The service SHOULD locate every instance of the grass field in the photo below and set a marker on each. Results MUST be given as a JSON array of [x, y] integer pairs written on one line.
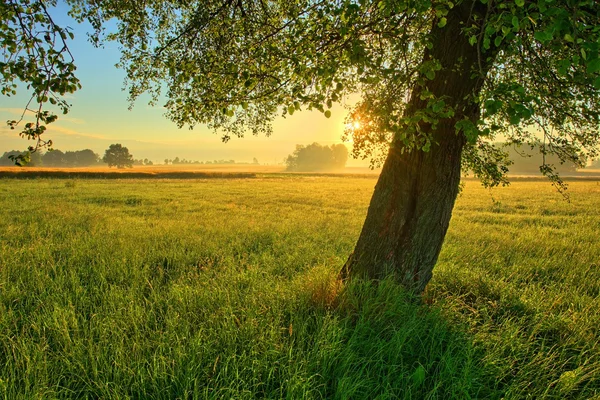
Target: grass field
[[226, 288]]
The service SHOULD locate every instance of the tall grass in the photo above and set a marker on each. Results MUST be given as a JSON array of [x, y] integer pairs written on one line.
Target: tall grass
[[227, 289]]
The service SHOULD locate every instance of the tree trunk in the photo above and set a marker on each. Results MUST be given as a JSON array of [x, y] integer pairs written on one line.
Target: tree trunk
[[413, 200]]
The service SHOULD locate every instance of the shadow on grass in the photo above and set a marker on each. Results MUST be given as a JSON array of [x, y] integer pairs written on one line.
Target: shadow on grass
[[380, 342], [170, 331]]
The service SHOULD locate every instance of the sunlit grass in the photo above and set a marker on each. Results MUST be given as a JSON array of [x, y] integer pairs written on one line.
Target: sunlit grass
[[227, 289]]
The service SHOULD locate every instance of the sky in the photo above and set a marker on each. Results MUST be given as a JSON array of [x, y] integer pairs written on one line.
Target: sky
[[100, 116]]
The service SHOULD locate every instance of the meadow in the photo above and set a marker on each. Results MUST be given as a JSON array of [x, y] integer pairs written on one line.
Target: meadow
[[227, 288]]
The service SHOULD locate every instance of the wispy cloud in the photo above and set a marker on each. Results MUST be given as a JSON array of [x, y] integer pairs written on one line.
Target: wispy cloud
[[19, 111], [54, 130], [12, 110], [58, 129]]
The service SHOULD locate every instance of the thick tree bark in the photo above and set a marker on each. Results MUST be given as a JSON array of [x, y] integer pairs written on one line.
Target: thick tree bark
[[413, 200]]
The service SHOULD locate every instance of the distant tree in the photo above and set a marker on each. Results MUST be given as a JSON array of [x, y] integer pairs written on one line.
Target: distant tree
[[316, 157], [166, 161], [117, 155], [176, 161], [254, 160], [54, 158], [340, 155], [80, 158], [15, 157], [86, 158], [6, 159], [35, 159]]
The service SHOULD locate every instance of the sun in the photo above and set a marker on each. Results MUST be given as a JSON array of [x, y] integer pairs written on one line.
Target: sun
[[354, 125]]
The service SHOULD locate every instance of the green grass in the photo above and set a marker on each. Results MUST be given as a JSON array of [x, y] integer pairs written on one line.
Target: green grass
[[215, 288]]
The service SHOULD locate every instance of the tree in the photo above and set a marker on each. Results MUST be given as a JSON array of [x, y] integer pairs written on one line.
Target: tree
[[54, 158], [117, 155], [80, 158], [439, 80], [32, 160], [316, 157]]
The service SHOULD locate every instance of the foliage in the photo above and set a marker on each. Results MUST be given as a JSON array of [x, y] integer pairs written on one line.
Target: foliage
[[316, 157], [145, 161], [236, 65], [10, 157], [539, 63], [235, 301], [53, 158], [35, 54], [118, 156]]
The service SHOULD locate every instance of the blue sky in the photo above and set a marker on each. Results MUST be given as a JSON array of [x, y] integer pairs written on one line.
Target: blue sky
[[99, 116]]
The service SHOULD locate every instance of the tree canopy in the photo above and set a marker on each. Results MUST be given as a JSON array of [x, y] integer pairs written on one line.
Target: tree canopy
[[316, 157], [54, 158], [118, 156], [235, 65]]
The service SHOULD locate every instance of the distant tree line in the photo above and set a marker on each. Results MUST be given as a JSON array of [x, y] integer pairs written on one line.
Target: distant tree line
[[178, 161], [316, 157], [145, 161], [55, 158]]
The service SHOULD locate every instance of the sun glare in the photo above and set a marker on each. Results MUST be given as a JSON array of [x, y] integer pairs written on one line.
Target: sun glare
[[354, 125]]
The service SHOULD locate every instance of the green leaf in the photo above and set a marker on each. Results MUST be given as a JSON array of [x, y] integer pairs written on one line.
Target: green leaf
[[443, 22], [327, 114], [291, 110], [520, 3], [469, 130], [543, 36], [418, 377], [593, 66], [438, 106]]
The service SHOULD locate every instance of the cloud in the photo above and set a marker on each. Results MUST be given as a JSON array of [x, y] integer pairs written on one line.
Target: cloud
[[53, 131], [58, 129], [19, 111], [72, 120], [12, 110]]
